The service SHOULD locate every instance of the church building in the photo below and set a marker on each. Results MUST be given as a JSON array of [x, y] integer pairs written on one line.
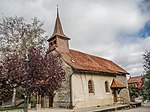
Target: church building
[[90, 80]]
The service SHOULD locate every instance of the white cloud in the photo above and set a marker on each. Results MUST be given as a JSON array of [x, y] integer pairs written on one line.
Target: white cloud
[[94, 26]]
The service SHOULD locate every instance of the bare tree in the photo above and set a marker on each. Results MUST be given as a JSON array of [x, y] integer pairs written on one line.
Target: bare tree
[[16, 35]]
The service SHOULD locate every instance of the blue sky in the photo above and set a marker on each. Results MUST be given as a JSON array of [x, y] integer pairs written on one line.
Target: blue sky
[[142, 33], [145, 9], [145, 32], [118, 30]]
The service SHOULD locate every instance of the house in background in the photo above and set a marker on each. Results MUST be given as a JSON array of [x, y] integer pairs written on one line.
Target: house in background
[[90, 80], [135, 85], [136, 81]]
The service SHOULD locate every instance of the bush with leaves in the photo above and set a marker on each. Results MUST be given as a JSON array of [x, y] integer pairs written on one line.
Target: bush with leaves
[[42, 75], [146, 93]]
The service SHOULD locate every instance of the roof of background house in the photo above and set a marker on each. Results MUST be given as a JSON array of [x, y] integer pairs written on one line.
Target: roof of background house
[[135, 79], [86, 62]]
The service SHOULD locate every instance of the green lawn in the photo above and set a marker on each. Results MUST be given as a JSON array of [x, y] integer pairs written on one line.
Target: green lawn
[[10, 108]]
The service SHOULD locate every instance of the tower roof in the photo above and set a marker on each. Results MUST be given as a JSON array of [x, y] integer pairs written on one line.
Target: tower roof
[[58, 30]]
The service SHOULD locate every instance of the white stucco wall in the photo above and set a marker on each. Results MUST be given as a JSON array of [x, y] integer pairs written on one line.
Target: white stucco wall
[[82, 97]]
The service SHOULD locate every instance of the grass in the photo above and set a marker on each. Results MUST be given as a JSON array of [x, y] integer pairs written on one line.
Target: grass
[[10, 108]]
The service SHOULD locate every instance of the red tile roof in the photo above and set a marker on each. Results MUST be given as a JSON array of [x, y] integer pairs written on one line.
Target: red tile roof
[[116, 84], [135, 79], [86, 62]]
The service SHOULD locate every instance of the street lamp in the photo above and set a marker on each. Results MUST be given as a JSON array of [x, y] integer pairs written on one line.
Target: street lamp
[[26, 67], [25, 104]]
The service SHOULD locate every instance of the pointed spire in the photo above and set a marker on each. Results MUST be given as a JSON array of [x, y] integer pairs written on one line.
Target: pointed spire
[[58, 27], [58, 30], [57, 11]]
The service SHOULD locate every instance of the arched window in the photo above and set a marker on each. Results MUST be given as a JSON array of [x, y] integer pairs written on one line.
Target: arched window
[[91, 86], [107, 86]]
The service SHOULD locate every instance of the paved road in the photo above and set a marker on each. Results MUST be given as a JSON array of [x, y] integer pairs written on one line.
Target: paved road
[[143, 108]]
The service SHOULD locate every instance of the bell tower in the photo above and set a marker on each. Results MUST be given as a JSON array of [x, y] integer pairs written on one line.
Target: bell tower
[[58, 40]]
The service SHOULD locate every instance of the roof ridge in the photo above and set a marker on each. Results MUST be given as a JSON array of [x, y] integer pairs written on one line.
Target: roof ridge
[[99, 57], [137, 76], [84, 61]]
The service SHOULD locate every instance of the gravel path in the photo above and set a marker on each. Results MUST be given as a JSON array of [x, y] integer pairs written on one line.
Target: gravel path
[[144, 108]]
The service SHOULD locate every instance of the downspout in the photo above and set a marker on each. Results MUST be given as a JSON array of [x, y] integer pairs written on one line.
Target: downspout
[[71, 102]]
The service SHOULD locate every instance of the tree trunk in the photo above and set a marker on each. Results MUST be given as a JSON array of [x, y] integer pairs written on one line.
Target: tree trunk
[[14, 96], [38, 102], [44, 102], [50, 101], [29, 102]]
